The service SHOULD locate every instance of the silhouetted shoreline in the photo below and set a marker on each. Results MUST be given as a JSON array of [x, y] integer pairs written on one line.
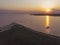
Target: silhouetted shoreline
[[46, 14]]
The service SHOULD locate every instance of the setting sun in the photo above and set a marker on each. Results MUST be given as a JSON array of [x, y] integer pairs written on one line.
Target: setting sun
[[48, 10], [48, 6]]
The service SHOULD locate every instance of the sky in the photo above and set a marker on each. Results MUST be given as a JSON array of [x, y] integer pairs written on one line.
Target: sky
[[28, 4]]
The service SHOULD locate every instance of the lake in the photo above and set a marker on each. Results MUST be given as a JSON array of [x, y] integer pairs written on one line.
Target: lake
[[46, 24]]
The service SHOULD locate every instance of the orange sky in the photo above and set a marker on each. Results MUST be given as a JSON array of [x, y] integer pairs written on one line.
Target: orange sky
[[29, 4]]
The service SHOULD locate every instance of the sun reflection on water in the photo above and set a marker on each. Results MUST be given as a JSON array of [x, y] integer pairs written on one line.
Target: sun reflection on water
[[47, 21], [47, 25]]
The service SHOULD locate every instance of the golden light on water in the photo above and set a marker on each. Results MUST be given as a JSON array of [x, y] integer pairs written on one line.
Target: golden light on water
[[47, 21], [47, 25]]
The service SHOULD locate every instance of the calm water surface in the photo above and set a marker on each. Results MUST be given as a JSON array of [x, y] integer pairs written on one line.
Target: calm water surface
[[38, 23]]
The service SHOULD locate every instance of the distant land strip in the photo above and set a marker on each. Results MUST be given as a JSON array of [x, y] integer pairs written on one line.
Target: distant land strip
[[46, 14]]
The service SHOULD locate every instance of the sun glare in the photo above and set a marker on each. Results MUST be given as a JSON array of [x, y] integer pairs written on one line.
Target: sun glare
[[48, 10], [48, 6]]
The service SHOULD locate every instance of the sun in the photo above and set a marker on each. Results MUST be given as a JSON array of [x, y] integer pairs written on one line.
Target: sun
[[48, 10], [47, 6]]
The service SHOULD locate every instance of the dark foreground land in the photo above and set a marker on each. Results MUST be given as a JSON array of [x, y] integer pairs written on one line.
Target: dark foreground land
[[16, 34]]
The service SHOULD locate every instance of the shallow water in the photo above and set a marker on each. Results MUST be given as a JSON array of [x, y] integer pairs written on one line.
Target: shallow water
[[37, 23]]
